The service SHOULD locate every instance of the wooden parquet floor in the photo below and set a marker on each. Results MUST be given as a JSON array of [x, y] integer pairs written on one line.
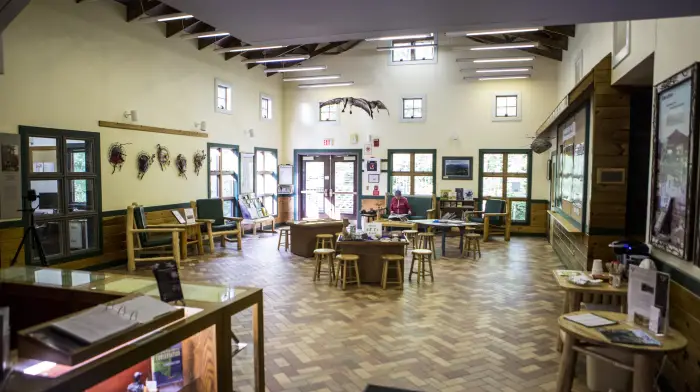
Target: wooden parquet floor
[[485, 325]]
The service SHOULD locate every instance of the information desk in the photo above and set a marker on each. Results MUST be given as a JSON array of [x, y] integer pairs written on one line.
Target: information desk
[[370, 252], [38, 295], [303, 233]]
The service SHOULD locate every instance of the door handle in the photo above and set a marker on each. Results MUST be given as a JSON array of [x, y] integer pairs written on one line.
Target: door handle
[[331, 193]]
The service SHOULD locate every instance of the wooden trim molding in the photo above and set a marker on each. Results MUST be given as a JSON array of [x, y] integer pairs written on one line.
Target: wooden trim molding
[[145, 128]]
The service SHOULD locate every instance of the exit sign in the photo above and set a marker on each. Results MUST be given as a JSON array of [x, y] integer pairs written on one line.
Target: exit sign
[[327, 142]]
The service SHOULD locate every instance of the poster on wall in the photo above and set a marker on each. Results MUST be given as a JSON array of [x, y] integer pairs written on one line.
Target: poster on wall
[[673, 174], [10, 176]]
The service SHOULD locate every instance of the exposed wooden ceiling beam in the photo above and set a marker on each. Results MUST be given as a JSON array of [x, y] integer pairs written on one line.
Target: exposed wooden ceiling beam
[[137, 8], [176, 26], [568, 30], [552, 53], [274, 53], [557, 42], [315, 53]]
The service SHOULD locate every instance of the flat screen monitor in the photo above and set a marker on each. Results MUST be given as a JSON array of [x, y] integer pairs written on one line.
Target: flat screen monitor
[[48, 201]]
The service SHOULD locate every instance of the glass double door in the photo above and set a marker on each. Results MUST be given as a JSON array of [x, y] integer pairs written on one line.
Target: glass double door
[[328, 186]]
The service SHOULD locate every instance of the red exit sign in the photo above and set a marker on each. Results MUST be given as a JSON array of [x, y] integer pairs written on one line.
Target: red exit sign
[[327, 142]]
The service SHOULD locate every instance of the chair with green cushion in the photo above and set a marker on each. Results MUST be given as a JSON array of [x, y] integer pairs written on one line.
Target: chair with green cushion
[[139, 238], [210, 212], [495, 217], [422, 207]]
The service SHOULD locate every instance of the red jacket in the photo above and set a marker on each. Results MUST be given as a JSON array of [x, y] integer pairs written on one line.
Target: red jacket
[[399, 206]]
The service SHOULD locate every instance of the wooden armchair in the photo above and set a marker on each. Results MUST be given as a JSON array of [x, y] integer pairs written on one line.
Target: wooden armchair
[[210, 212], [495, 217], [138, 238]]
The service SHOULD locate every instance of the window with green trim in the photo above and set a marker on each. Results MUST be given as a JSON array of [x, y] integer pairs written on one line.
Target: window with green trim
[[506, 175], [266, 178], [412, 172], [223, 176]]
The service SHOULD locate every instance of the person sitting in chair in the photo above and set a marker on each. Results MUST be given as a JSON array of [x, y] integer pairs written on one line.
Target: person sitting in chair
[[399, 204]]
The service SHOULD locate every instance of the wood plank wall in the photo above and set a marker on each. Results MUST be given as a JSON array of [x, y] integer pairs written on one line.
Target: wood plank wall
[[683, 371]]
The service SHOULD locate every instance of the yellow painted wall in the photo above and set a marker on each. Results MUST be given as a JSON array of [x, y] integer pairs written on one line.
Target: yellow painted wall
[[70, 65]]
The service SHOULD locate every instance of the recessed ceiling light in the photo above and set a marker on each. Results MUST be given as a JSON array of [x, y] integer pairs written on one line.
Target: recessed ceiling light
[[399, 37], [317, 77], [277, 59], [296, 69], [248, 48], [386, 48], [496, 70], [497, 60], [322, 85]]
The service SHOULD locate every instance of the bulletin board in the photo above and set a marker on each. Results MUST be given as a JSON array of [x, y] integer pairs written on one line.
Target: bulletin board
[[10, 176], [572, 159]]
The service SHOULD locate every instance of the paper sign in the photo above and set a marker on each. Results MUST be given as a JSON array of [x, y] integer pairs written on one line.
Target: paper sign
[[189, 216], [178, 216], [327, 142], [374, 229]]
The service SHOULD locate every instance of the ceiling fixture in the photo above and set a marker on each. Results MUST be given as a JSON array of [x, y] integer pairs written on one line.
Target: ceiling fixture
[[514, 69], [317, 77], [497, 60], [321, 85], [385, 48], [166, 18], [515, 45], [484, 78], [296, 69], [248, 48], [492, 32], [300, 57], [399, 37], [210, 34]]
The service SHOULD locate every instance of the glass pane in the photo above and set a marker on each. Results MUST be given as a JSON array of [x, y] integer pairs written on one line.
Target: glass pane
[[408, 113], [517, 187], [228, 186], [424, 163], [401, 54], [512, 112], [493, 163], [417, 103], [221, 103], [517, 163], [79, 156], [51, 236], [493, 186], [42, 154], [401, 162], [424, 53], [417, 113], [519, 211], [270, 184], [214, 155], [401, 183], [259, 184], [230, 161], [344, 177], [270, 161], [512, 101], [423, 185], [501, 101], [82, 195], [48, 201], [501, 112], [407, 104], [221, 92], [228, 208], [82, 234], [214, 186]]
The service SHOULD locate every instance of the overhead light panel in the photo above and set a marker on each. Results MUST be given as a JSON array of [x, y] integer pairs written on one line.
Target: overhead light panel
[[498, 60], [498, 70], [486, 78], [492, 32], [304, 78], [297, 69], [277, 59], [323, 85], [166, 18], [516, 45], [248, 48], [400, 37], [386, 48], [210, 34]]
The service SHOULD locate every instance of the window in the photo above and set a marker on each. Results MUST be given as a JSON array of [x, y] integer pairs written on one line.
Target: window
[[329, 113], [412, 172], [506, 175], [506, 107], [265, 107], [223, 97], [223, 175], [266, 178], [413, 54], [413, 108], [64, 170]]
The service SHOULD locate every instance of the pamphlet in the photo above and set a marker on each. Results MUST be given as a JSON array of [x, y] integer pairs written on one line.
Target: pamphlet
[[189, 216], [625, 336], [590, 320], [648, 289], [179, 217], [167, 366]]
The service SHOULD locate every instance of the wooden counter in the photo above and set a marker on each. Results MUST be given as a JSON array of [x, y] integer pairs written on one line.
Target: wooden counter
[[303, 241], [370, 252]]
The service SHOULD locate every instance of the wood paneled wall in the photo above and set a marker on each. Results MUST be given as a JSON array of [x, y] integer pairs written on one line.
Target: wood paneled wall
[[683, 373]]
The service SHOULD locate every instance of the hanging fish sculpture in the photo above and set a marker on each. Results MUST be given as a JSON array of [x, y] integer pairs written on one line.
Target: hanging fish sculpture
[[199, 157], [181, 165], [117, 155], [163, 156], [143, 163], [368, 106]]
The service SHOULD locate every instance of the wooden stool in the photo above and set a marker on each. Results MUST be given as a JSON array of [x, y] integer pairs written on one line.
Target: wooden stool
[[411, 237], [471, 244], [344, 261], [422, 256], [427, 241], [324, 241], [284, 234], [322, 255], [398, 261], [337, 238]]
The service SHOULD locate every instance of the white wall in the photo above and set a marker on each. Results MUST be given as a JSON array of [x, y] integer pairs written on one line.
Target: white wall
[[69, 66], [595, 41], [642, 44], [676, 46], [454, 108]]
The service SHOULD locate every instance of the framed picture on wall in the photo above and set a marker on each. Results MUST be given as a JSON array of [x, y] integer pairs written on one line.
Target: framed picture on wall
[[621, 41], [674, 126], [457, 168]]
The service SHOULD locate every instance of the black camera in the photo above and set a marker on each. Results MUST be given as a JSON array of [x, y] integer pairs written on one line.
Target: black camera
[[31, 195]]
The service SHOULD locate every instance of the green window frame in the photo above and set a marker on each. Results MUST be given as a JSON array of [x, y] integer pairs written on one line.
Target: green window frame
[[495, 169], [223, 174], [264, 170], [409, 168]]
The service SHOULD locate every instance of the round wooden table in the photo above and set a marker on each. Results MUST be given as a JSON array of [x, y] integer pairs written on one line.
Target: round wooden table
[[576, 336]]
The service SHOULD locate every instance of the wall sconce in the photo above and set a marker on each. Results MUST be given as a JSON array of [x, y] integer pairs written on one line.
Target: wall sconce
[[133, 114], [249, 132], [202, 126], [354, 138]]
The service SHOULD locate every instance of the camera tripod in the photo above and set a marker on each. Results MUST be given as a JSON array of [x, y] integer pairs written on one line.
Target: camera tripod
[[31, 235]]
